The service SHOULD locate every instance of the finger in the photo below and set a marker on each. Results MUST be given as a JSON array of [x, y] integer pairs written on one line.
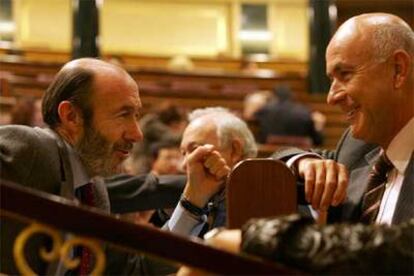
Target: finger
[[214, 162], [219, 169], [223, 172], [322, 217], [330, 185], [211, 159], [199, 153], [309, 176], [320, 178], [343, 180]]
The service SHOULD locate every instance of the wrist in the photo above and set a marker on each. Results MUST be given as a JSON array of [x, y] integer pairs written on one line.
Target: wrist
[[195, 198], [193, 209]]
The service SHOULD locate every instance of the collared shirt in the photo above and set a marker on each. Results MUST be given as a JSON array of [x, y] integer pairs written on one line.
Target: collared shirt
[[185, 224], [399, 152]]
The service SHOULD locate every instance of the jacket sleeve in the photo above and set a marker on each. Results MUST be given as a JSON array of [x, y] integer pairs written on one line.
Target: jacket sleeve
[[340, 248], [144, 192]]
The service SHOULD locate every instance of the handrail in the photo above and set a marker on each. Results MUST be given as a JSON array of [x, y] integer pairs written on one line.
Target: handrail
[[36, 205]]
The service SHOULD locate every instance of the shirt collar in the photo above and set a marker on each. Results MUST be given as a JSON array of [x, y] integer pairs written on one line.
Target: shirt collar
[[401, 147], [80, 176]]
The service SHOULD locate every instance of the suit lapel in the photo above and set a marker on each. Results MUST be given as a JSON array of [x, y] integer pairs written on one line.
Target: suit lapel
[[67, 189], [100, 194], [405, 204]]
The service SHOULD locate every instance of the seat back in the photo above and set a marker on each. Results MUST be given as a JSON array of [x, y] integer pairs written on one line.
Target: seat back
[[259, 188]]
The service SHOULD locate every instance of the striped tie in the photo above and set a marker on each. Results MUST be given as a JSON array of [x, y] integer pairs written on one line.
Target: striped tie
[[371, 200]]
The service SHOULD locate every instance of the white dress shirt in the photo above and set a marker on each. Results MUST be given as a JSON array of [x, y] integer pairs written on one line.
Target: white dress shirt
[[399, 152]]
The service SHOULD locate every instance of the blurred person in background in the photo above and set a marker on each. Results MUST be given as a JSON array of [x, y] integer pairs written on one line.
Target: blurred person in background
[[284, 117], [165, 124], [27, 111]]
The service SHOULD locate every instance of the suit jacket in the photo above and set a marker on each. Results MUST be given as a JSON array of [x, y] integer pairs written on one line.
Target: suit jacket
[[38, 158], [286, 118], [359, 157]]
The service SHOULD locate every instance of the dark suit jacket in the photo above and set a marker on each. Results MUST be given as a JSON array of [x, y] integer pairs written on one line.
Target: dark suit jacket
[[286, 118], [37, 158], [359, 157]]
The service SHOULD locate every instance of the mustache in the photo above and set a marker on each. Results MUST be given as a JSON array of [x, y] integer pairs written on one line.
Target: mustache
[[123, 146]]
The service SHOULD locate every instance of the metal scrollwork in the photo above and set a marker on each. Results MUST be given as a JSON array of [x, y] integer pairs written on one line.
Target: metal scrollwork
[[59, 249], [93, 245]]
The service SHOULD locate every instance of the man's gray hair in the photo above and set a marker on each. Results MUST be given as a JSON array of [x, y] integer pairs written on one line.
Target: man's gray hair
[[229, 127]]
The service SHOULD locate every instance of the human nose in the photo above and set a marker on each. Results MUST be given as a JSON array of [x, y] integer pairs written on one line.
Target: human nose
[[335, 94], [134, 133]]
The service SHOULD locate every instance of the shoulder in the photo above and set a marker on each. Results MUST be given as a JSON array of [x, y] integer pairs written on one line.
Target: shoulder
[[27, 153], [20, 137], [351, 150]]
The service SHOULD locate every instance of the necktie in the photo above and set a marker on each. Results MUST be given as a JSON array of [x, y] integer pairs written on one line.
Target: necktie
[[377, 179], [86, 195]]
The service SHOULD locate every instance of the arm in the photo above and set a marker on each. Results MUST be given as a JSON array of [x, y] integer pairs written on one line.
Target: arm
[[205, 172], [144, 192]]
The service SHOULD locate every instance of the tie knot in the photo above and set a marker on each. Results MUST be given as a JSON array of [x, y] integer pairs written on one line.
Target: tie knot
[[381, 168], [384, 163]]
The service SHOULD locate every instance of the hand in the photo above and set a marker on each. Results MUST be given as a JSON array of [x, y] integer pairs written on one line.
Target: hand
[[326, 182], [319, 120], [206, 172], [228, 240]]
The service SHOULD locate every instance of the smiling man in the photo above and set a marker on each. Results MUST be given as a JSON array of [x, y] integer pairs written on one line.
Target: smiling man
[[91, 109], [370, 63]]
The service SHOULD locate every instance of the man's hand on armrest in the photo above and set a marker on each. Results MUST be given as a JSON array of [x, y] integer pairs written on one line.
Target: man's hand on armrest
[[326, 181]]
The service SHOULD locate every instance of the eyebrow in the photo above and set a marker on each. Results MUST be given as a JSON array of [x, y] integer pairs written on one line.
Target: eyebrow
[[130, 108], [338, 66]]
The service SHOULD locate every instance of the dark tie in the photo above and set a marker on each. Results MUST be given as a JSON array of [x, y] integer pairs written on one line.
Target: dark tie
[[377, 179], [86, 196]]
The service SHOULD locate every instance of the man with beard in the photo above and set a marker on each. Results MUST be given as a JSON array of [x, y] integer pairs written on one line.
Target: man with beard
[[92, 111]]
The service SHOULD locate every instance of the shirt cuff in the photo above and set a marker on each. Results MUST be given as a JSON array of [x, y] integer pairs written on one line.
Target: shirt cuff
[[184, 223], [291, 162]]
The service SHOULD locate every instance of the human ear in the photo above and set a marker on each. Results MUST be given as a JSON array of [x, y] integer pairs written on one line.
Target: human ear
[[402, 63], [236, 151], [70, 117]]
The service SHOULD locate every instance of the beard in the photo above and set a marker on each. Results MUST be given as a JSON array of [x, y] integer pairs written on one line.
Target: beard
[[96, 153]]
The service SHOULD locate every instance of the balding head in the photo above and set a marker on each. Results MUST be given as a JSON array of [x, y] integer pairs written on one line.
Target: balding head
[[74, 83], [370, 63], [380, 33]]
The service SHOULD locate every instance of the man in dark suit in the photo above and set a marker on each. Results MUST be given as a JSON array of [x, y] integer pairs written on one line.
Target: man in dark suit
[[370, 63], [284, 117], [92, 110]]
